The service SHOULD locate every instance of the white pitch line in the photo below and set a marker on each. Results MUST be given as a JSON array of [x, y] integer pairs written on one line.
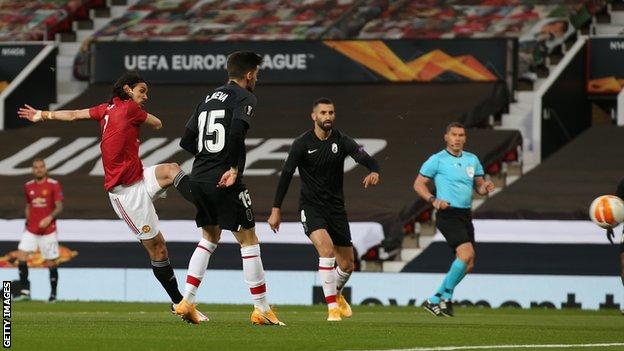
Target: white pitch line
[[490, 347]]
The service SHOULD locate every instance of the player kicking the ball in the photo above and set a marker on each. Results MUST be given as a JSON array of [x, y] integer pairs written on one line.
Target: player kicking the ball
[[319, 154], [131, 188], [215, 134]]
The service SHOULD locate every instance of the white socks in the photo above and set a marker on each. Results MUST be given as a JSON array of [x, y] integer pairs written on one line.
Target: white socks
[[197, 267], [327, 274], [341, 279], [254, 276]]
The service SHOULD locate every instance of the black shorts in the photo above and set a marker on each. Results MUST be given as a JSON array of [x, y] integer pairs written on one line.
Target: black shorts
[[229, 208], [456, 226], [333, 220]]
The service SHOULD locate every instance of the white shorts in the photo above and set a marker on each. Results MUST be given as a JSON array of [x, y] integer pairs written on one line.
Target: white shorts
[[133, 204], [47, 244]]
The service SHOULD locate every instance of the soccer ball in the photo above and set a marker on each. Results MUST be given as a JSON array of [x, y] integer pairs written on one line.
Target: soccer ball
[[607, 211]]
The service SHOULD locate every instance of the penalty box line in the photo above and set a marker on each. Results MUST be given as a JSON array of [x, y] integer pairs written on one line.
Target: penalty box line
[[496, 347]]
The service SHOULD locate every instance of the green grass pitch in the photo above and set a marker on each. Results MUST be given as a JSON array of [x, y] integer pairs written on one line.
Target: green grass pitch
[[150, 326]]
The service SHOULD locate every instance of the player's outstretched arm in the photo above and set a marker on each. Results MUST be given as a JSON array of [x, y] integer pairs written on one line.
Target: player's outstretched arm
[[33, 115]]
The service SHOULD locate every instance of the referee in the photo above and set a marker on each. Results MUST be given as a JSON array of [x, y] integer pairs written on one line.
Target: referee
[[455, 174]]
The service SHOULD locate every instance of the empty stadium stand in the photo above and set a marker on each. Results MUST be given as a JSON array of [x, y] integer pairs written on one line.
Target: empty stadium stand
[[563, 186]]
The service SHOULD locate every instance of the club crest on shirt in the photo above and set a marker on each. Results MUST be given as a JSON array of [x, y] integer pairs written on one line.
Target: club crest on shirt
[[470, 171], [146, 229], [44, 192], [248, 110], [334, 147]]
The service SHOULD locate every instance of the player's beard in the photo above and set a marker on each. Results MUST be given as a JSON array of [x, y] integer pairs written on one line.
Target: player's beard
[[324, 127]]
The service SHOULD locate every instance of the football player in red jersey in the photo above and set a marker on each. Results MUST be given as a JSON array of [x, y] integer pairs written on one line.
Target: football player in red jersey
[[131, 188], [44, 202]]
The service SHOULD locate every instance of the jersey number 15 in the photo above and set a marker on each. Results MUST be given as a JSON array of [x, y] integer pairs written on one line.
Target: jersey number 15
[[212, 128]]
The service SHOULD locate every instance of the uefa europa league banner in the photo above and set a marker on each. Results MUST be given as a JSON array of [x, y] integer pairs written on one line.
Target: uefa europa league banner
[[605, 65], [301, 62]]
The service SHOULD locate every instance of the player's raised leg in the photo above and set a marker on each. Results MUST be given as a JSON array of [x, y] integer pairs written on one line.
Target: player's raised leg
[[346, 264], [168, 174], [198, 264], [327, 273], [254, 277]]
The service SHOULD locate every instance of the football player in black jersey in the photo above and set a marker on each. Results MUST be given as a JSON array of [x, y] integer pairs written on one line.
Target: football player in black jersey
[[215, 134], [319, 154]]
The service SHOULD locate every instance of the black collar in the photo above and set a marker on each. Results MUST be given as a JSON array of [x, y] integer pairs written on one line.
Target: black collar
[[448, 152]]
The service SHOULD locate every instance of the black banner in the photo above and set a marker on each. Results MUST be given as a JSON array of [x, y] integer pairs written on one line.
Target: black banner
[[361, 61], [566, 110], [15, 57], [38, 87], [605, 65]]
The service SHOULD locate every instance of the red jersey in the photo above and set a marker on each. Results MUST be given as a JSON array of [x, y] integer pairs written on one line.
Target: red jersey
[[41, 198], [120, 122]]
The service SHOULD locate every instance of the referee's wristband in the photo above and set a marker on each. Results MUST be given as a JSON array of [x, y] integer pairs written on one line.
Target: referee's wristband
[[431, 199]]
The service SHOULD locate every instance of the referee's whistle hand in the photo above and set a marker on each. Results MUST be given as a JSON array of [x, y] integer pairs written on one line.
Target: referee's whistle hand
[[371, 179]]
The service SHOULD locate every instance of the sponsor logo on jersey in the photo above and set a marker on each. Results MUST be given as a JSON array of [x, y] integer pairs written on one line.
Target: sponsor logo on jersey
[[312, 151]]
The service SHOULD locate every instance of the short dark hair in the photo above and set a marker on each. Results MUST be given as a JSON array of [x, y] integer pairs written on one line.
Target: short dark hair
[[38, 159], [130, 78], [241, 62], [321, 100], [454, 125]]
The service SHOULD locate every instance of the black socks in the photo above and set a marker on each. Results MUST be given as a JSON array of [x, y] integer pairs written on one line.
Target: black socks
[[164, 274]]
